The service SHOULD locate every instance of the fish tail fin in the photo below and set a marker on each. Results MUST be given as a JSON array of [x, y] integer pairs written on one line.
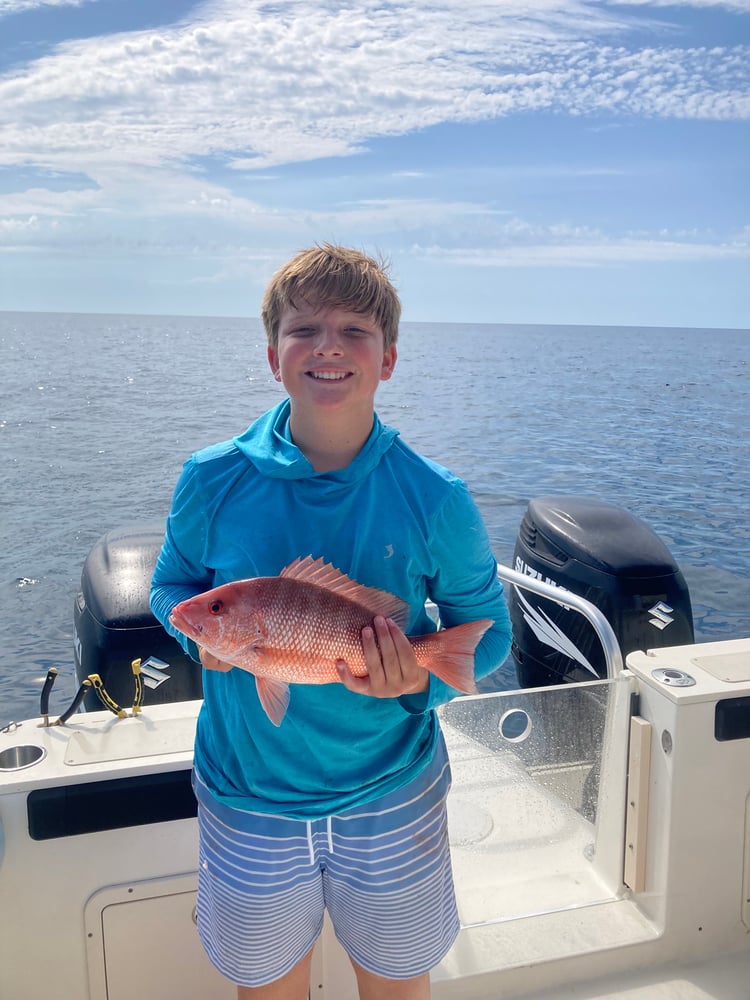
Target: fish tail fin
[[451, 653]]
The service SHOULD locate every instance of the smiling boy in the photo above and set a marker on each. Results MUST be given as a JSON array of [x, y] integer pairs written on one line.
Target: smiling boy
[[343, 806], [331, 361]]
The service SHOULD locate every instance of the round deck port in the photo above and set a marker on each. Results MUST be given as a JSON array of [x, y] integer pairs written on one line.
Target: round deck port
[[16, 758], [673, 677]]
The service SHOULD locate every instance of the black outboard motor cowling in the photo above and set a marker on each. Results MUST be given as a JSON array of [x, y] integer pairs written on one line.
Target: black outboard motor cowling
[[115, 625], [614, 560]]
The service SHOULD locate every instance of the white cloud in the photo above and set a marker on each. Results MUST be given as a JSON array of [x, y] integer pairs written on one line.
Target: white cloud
[[249, 86], [45, 202], [17, 226], [21, 6], [594, 251], [262, 86], [195, 218], [736, 6]]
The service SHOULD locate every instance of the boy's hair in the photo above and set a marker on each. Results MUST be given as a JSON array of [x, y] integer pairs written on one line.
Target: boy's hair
[[330, 275]]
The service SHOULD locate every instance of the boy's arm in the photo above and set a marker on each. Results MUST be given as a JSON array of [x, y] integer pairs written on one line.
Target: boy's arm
[[465, 587], [180, 572]]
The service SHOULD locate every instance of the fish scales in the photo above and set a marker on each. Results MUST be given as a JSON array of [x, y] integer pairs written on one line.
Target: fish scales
[[301, 636]]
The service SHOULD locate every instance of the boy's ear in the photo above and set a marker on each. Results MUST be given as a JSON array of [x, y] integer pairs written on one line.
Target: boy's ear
[[390, 357], [273, 362]]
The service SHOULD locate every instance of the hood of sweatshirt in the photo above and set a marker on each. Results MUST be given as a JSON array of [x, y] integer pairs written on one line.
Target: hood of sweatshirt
[[267, 443]]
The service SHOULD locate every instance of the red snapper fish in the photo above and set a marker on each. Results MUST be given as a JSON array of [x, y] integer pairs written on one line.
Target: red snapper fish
[[292, 628]]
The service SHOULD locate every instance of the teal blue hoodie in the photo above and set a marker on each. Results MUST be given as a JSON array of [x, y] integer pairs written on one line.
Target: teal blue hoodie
[[392, 520]]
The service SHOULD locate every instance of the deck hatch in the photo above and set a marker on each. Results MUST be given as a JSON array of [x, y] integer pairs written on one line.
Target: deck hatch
[[91, 807]]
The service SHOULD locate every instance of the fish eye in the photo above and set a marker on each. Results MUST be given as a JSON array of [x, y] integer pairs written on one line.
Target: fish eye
[[216, 607]]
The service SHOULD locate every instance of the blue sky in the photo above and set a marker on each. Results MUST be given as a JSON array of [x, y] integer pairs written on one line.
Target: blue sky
[[518, 161]]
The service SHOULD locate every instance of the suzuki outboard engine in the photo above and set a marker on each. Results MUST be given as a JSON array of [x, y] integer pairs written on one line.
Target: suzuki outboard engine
[[115, 625], [615, 561]]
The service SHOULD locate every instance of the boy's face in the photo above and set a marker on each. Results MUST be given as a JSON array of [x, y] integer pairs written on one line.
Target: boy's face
[[329, 356]]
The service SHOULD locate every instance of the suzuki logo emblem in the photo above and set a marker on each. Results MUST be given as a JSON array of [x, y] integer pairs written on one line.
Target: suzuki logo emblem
[[662, 615]]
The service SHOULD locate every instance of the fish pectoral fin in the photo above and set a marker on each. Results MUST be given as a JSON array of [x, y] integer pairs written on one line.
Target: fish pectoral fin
[[274, 697]]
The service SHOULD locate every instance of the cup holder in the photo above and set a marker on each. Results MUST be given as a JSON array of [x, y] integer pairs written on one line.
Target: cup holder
[[16, 758]]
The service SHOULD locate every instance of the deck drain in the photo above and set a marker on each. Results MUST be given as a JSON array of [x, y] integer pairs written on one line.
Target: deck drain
[[468, 823]]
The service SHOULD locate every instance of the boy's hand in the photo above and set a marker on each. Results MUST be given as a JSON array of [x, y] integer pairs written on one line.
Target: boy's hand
[[211, 662], [392, 668]]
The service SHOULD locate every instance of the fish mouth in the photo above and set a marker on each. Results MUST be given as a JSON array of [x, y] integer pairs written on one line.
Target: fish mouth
[[181, 623]]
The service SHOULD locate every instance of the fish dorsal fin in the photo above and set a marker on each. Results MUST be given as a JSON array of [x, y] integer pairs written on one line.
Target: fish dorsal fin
[[323, 574]]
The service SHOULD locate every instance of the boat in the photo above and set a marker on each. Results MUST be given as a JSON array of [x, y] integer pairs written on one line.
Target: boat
[[600, 824]]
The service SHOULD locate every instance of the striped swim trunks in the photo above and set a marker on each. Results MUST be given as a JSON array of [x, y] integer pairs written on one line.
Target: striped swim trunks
[[382, 870]]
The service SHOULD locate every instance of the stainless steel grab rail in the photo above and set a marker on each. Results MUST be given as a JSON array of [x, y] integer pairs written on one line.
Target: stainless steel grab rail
[[560, 595]]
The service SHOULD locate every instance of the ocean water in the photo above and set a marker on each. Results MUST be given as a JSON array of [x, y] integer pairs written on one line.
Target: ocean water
[[99, 412]]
